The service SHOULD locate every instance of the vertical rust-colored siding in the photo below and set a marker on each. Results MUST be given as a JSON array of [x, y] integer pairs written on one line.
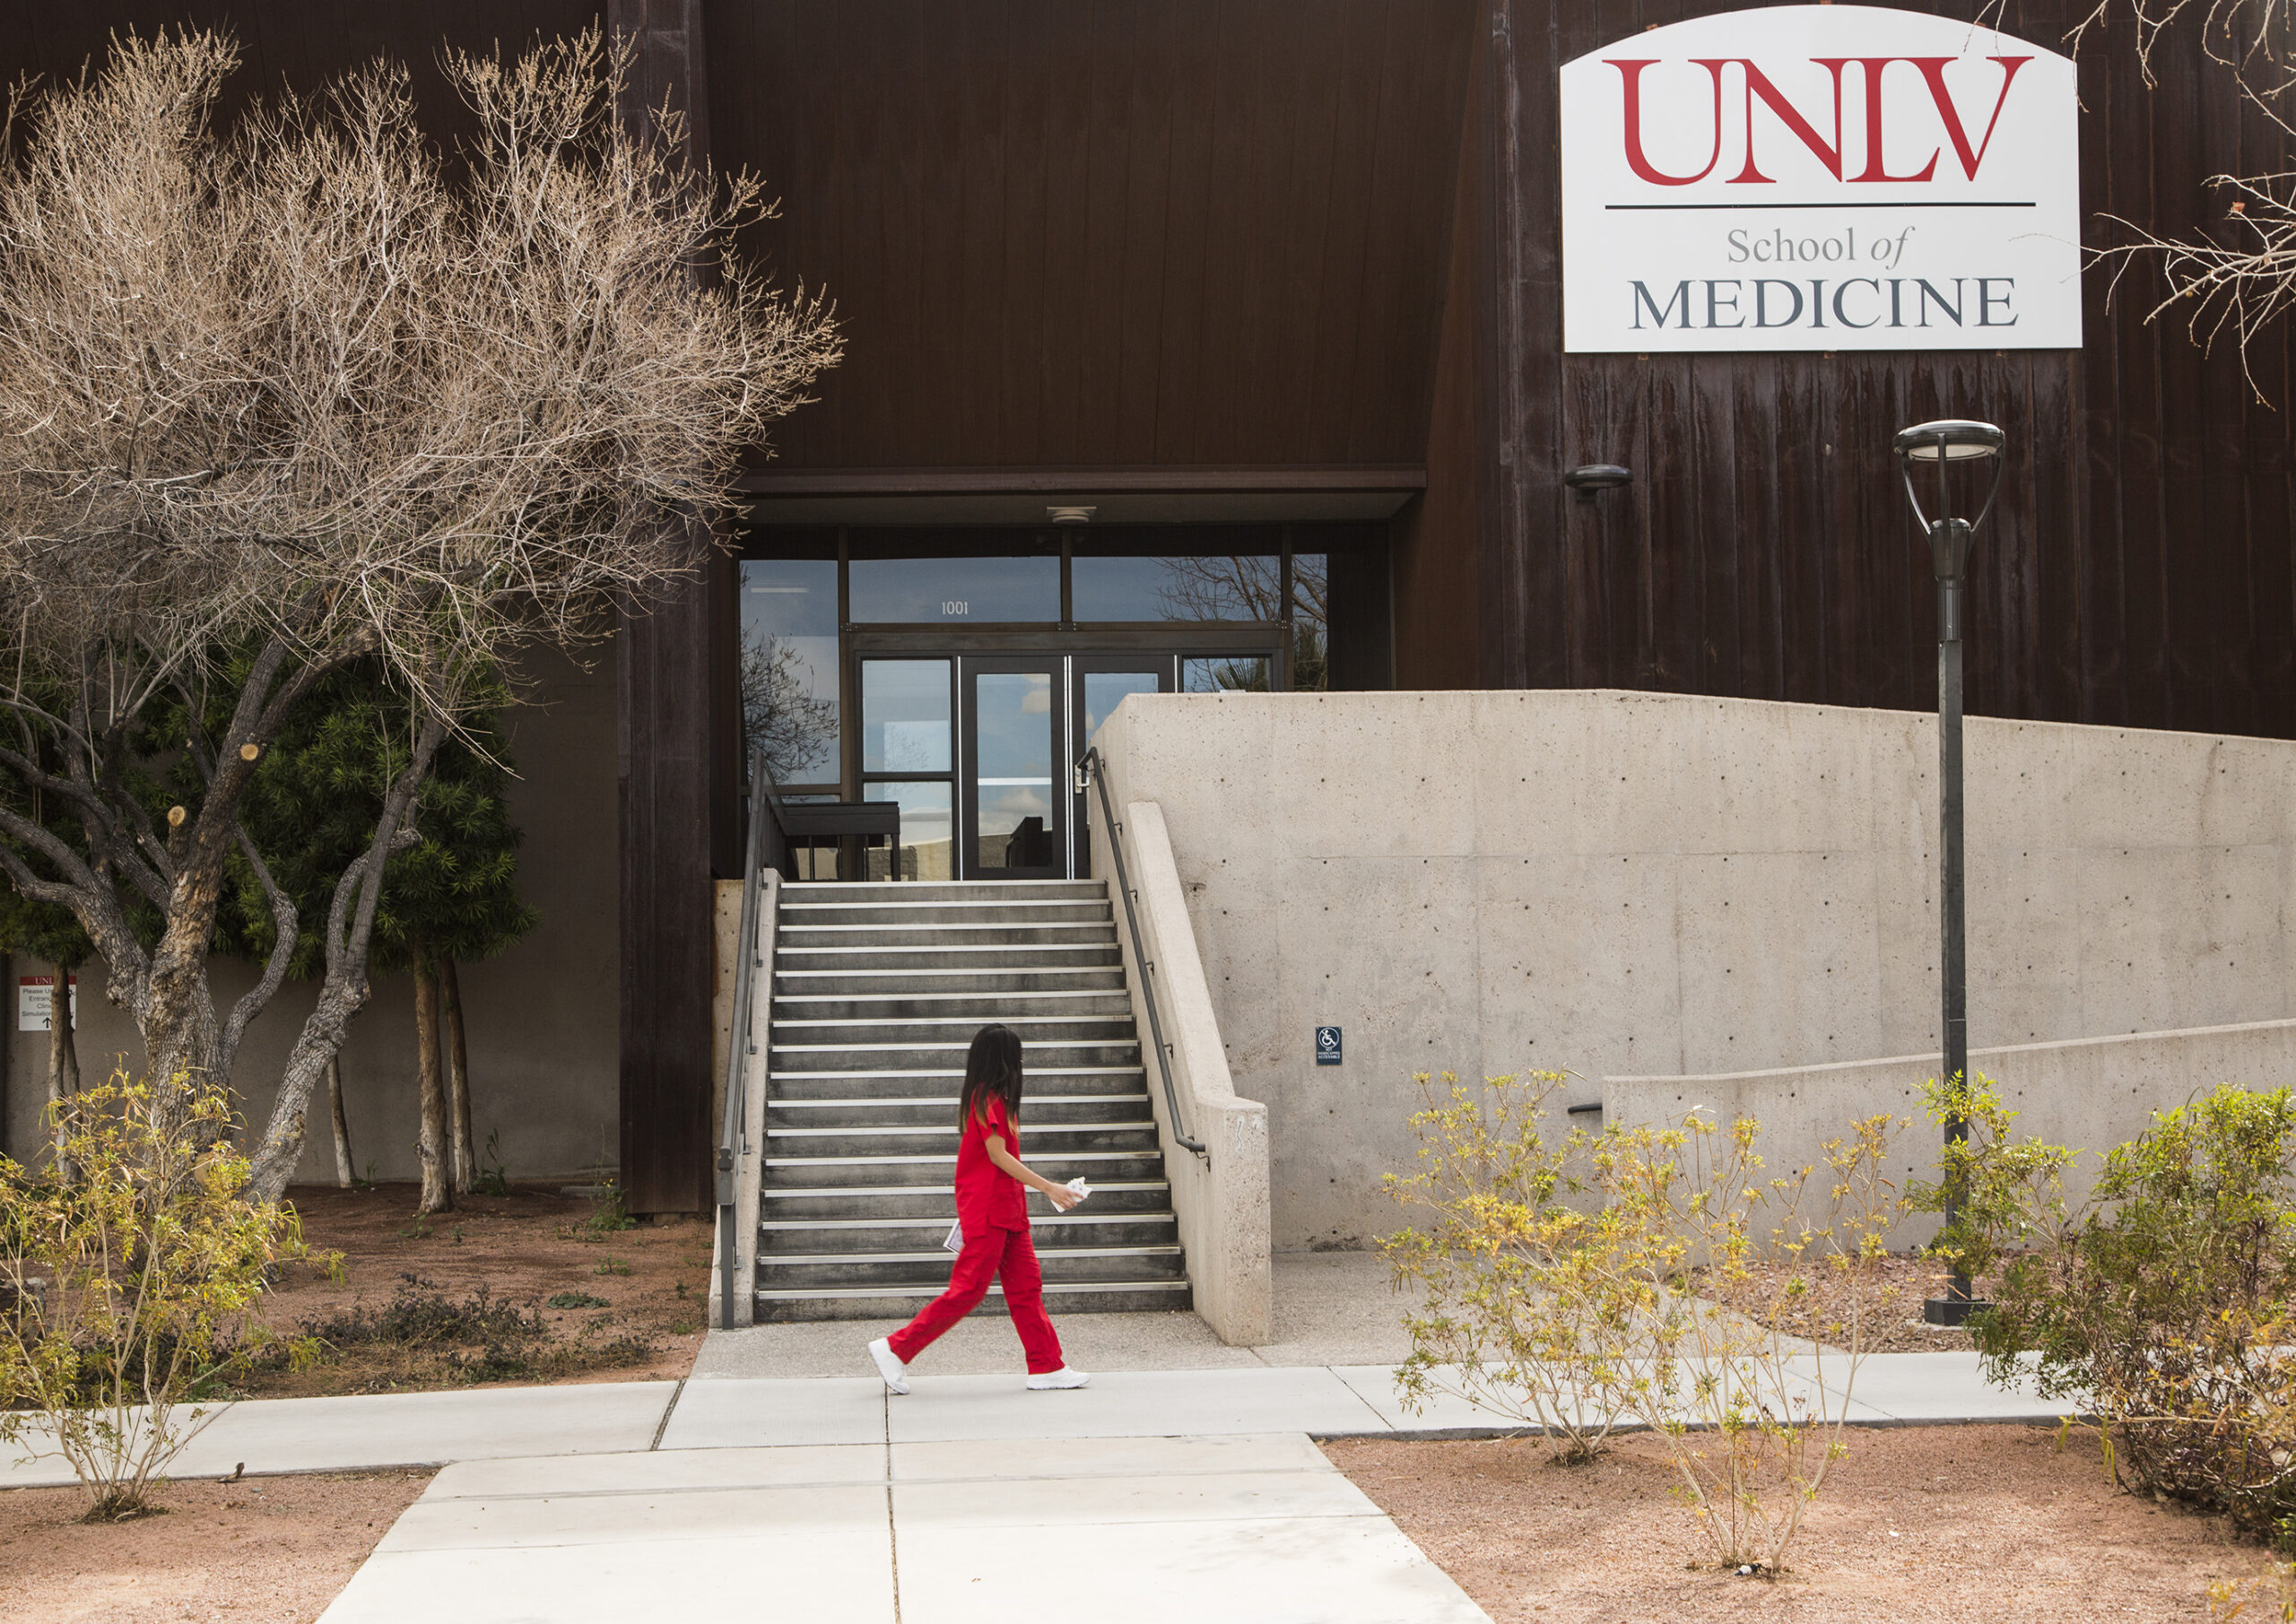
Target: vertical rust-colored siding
[[2138, 569]]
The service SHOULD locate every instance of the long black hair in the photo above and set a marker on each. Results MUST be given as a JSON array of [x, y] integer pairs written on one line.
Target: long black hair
[[991, 1067]]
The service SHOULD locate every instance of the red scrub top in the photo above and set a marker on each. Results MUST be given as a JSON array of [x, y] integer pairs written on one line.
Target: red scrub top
[[988, 1197]]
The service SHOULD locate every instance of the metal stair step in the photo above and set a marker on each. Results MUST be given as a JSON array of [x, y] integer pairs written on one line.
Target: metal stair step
[[923, 1111], [958, 961], [886, 981], [840, 1235], [972, 933], [1043, 1141], [973, 1009], [901, 1303], [922, 1085], [969, 895], [956, 1030], [927, 1169], [936, 1202], [893, 1060], [928, 1270]]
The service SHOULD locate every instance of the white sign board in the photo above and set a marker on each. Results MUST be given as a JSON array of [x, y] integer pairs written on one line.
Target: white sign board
[[1821, 177], [36, 1002]]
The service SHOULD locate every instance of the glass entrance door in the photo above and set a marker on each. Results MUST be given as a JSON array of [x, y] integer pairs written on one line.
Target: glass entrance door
[[1098, 684], [1016, 825]]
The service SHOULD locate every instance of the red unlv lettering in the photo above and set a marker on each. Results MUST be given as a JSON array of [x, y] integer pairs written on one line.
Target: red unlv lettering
[[1759, 85]]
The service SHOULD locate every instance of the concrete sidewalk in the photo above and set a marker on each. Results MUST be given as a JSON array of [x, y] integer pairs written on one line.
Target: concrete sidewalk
[[625, 1418], [1139, 1531]]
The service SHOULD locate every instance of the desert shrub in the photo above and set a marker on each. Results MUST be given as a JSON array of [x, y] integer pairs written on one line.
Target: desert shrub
[[424, 1334], [1513, 1317], [2162, 1303], [1576, 1280], [132, 1286]]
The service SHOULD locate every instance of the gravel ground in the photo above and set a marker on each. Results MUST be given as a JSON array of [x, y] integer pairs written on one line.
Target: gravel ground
[[1893, 1324], [1916, 1524], [265, 1551]]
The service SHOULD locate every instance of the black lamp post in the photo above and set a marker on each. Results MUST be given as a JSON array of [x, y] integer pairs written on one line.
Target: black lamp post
[[1942, 445]]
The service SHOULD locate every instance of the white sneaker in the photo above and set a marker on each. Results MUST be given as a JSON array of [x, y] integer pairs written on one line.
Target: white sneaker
[[1053, 1380], [889, 1365]]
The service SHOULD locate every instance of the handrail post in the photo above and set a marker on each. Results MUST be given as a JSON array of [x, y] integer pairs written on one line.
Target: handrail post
[[1094, 769]]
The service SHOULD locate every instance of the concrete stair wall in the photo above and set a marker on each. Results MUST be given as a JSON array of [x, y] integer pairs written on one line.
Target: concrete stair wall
[[877, 992]]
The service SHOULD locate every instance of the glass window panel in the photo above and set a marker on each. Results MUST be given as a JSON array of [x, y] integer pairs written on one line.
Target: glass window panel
[[1247, 586], [1104, 690], [1310, 623], [1225, 674], [788, 666], [927, 842], [955, 591], [1012, 723], [905, 716]]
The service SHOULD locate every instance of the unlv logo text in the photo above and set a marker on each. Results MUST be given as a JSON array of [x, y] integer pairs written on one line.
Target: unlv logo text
[[1757, 87]]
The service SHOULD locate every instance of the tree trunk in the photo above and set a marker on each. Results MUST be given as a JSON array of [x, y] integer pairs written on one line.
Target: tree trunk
[[431, 1145], [457, 1077], [343, 1173], [63, 1054], [351, 923]]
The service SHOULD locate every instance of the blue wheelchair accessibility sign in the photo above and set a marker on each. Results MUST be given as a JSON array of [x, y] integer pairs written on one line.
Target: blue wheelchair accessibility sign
[[1327, 1045]]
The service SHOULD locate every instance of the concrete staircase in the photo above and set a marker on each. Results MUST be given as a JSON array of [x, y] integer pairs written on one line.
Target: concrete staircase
[[877, 992]]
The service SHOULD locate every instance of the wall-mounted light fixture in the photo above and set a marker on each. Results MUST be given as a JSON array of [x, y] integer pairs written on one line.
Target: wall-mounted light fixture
[[1597, 476]]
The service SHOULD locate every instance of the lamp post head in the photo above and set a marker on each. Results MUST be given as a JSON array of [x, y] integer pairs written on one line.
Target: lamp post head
[[1597, 476], [1952, 439], [1940, 445]]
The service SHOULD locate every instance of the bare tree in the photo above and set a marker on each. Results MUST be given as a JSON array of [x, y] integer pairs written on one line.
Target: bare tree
[[780, 713], [288, 397], [2239, 276]]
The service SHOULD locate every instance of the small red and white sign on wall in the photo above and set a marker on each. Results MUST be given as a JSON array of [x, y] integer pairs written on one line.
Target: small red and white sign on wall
[[1821, 177], [36, 1002]]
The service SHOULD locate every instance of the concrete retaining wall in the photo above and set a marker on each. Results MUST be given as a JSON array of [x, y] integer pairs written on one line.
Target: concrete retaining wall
[[2090, 1093], [1636, 885]]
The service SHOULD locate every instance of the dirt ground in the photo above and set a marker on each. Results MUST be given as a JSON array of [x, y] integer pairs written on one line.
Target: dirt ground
[[651, 1283], [1894, 1325], [1916, 1524], [267, 1550]]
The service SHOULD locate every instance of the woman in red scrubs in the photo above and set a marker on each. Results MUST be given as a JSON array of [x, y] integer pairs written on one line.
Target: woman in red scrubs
[[993, 1211]]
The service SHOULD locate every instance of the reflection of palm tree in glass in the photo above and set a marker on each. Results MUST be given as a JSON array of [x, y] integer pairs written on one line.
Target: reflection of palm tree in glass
[[781, 714], [1249, 586]]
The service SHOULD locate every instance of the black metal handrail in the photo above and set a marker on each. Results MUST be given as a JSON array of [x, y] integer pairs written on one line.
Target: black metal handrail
[[1095, 772], [733, 1137]]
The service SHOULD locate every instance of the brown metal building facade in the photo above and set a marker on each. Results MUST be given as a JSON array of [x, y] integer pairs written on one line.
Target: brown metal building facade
[[1268, 255]]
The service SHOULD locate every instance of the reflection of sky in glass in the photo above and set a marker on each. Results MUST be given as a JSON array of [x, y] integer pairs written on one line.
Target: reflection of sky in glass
[[905, 716], [793, 602], [1175, 589], [954, 591], [1012, 735], [1104, 690]]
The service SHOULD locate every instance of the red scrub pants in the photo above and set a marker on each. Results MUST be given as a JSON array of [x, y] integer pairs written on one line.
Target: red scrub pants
[[989, 1255]]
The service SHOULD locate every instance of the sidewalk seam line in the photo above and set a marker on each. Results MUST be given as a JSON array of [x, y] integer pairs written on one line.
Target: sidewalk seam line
[[893, 1530], [1385, 1425], [668, 1410]]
